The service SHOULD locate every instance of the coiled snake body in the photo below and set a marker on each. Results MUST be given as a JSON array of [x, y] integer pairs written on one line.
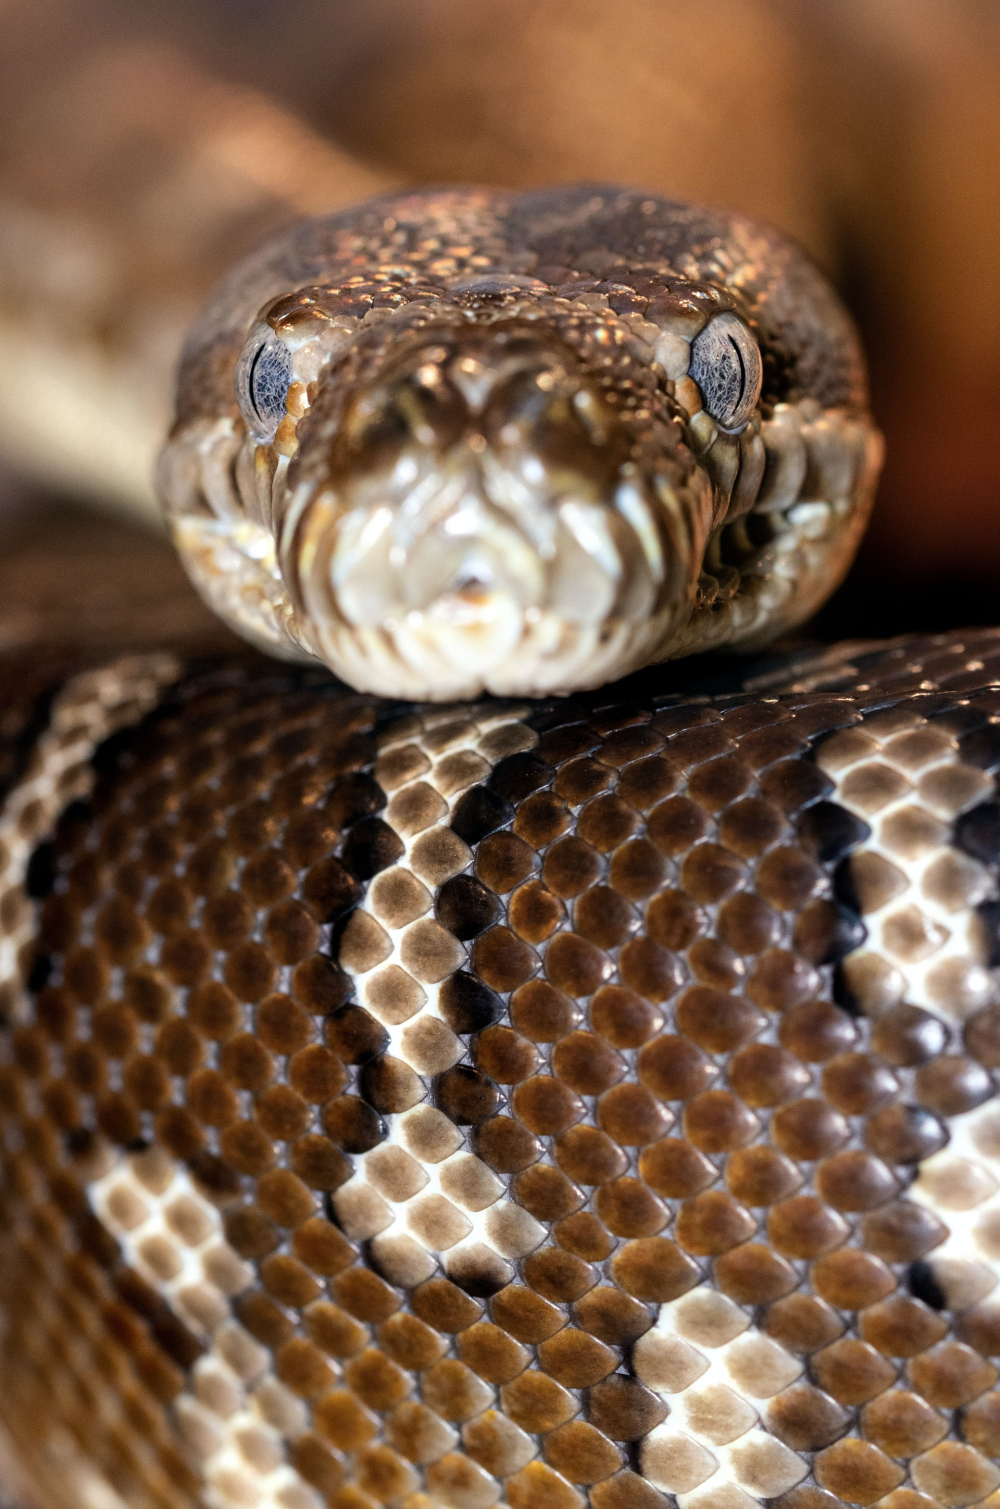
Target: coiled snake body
[[539, 1101]]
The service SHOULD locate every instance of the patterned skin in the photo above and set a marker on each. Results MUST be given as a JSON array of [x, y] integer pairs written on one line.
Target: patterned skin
[[587, 1100]]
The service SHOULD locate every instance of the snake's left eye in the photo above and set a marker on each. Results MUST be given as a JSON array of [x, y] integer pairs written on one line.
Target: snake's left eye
[[725, 363], [263, 374]]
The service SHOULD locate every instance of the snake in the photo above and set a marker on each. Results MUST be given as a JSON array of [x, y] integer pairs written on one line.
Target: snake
[[513, 1070]]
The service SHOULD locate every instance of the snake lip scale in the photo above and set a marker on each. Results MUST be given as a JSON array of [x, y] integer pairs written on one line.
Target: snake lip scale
[[456, 441]]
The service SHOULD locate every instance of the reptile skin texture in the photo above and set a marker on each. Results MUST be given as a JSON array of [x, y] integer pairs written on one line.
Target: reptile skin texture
[[586, 1101]]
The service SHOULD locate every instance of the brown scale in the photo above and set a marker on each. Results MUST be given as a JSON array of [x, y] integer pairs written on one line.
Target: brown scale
[[669, 1088]]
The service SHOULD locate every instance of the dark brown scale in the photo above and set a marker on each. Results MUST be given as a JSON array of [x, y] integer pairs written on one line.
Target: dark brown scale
[[466, 907], [637, 869], [586, 1063], [465, 1095], [575, 965], [214, 1010], [979, 1328], [581, 779], [506, 1145], [502, 960], [857, 1082], [543, 1013], [802, 1323], [711, 1223], [559, 1276], [675, 825], [576, 1360], [245, 1063], [606, 822], [620, 748], [674, 920], [441, 1305], [503, 861], [505, 1056], [717, 1122], [570, 866], [714, 964], [902, 1326], [710, 872], [603, 917], [466, 1004], [852, 1467], [808, 1129], [648, 781], [902, 1231], [817, 1030], [718, 782], [803, 1227], [541, 819], [752, 1274], [534, 912], [854, 1181], [950, 1375], [850, 1279], [391, 1086], [611, 1316], [546, 1193], [581, 1453], [250, 970], [952, 1084], [748, 827], [904, 1134], [623, 1410], [630, 1114], [348, 1121], [674, 1168], [806, 1419], [760, 1175], [852, 1371], [715, 1021], [788, 879], [906, 1036], [628, 1209], [766, 1075], [355, 1035], [267, 878], [585, 1235], [624, 1018]]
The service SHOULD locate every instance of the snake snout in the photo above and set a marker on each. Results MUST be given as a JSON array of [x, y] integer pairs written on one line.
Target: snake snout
[[480, 517]]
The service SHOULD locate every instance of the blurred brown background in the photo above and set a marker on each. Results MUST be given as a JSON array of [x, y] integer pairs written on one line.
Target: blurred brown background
[[869, 129]]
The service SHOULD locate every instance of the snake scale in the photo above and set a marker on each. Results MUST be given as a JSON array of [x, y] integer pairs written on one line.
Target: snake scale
[[529, 1099]]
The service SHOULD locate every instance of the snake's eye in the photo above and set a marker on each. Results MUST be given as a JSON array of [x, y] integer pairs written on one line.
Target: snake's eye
[[725, 363], [263, 373]]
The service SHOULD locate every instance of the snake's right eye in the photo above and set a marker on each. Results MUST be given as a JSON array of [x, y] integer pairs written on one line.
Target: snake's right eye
[[263, 374]]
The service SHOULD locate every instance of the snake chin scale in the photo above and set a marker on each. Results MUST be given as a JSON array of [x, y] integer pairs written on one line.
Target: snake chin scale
[[441, 446]]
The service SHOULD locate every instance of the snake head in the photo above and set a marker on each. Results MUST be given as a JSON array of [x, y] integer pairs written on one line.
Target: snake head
[[439, 479]]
